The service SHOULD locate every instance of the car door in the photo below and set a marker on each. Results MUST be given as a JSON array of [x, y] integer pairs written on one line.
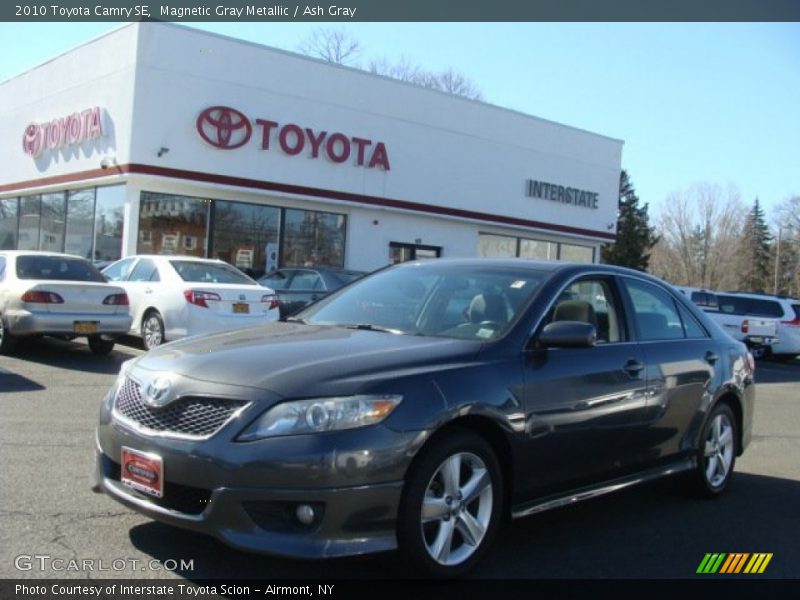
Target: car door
[[141, 286], [581, 403], [681, 358]]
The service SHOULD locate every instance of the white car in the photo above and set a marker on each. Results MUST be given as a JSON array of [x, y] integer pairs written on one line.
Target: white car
[[741, 314], [47, 293], [177, 296]]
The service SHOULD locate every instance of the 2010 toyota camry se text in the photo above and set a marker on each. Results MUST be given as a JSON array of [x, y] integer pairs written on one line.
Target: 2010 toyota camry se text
[[415, 408]]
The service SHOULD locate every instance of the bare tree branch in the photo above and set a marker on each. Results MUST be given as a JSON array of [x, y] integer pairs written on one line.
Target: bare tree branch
[[333, 45]]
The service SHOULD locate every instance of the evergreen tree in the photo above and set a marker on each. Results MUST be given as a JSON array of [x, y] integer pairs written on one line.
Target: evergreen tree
[[635, 237], [755, 244]]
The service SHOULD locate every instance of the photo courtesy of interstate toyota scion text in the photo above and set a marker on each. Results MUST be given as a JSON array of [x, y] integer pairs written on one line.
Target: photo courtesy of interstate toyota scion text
[[418, 407]]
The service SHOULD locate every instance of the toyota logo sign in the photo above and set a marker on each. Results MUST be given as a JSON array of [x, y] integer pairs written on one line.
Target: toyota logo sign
[[224, 127]]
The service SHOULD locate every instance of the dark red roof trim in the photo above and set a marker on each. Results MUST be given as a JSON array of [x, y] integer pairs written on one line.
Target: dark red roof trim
[[272, 186]]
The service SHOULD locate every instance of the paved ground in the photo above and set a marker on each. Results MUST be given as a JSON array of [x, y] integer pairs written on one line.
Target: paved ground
[[49, 396]]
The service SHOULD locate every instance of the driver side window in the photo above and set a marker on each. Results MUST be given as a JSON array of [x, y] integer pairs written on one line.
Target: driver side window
[[591, 301]]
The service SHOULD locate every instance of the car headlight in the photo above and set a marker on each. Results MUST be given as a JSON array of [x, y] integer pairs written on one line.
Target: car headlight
[[320, 414]]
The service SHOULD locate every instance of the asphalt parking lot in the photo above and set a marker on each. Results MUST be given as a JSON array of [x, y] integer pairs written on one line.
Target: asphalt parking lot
[[49, 396]]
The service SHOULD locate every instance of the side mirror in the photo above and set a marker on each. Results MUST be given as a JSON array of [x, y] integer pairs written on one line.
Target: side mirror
[[568, 334]]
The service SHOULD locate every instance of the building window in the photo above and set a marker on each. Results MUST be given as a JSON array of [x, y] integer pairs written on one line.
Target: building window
[[497, 246], [53, 222], [80, 223], [242, 235], [9, 221], [400, 252], [502, 246], [168, 219], [30, 212], [576, 253], [313, 238], [109, 221], [538, 249]]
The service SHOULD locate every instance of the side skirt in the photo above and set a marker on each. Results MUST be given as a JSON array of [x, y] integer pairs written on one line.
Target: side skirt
[[578, 495]]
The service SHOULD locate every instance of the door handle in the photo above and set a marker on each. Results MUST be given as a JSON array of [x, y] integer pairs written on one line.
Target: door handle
[[633, 367], [148, 290], [711, 357]]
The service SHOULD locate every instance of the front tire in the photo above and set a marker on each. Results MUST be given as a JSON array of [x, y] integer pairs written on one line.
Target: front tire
[[451, 506], [152, 330], [717, 453]]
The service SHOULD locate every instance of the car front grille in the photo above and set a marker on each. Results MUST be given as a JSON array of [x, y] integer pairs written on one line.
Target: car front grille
[[192, 417]]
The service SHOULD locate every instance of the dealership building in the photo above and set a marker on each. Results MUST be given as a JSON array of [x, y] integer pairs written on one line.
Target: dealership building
[[157, 138]]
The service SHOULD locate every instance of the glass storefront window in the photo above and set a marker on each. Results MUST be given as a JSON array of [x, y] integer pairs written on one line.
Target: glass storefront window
[[538, 249], [242, 233], [9, 214], [108, 222], [170, 224], [576, 253], [313, 238], [80, 222], [497, 246], [30, 211], [54, 220]]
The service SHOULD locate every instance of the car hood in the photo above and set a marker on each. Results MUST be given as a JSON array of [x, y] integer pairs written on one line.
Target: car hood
[[303, 360]]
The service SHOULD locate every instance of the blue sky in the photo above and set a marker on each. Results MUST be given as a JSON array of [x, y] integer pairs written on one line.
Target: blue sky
[[694, 102]]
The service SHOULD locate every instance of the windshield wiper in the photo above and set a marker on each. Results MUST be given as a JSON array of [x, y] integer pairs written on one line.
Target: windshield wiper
[[371, 327]]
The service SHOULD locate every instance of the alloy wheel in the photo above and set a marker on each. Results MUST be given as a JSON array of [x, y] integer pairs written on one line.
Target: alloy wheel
[[153, 331], [457, 509], [719, 449]]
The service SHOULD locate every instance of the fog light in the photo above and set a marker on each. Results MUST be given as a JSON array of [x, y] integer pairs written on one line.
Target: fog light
[[305, 514]]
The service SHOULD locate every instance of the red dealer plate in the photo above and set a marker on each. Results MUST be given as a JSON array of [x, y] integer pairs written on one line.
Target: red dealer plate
[[143, 472]]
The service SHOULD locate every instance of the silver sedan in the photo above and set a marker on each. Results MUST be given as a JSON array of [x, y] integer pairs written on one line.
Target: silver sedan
[[46, 293]]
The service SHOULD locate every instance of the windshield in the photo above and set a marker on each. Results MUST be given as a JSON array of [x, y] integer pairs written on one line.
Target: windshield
[[57, 268], [203, 272], [460, 301]]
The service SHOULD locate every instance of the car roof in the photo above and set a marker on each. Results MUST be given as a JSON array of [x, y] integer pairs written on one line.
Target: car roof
[[40, 253], [177, 257]]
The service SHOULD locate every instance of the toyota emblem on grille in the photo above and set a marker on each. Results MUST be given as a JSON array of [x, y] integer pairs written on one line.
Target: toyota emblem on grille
[[159, 393]]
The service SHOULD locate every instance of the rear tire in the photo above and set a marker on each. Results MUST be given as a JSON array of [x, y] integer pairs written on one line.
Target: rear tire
[[100, 346], [716, 456], [7, 341], [152, 330], [451, 506]]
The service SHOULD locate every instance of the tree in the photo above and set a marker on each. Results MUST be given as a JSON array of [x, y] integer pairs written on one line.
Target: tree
[[338, 46], [787, 250], [755, 249], [333, 45], [700, 233], [635, 237]]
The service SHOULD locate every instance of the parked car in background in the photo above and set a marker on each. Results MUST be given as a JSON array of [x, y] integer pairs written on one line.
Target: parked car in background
[[297, 287], [177, 296], [47, 293], [744, 320], [419, 406], [782, 310]]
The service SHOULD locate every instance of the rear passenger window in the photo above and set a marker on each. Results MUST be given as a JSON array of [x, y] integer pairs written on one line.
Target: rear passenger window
[[655, 311], [691, 327], [765, 308], [145, 270]]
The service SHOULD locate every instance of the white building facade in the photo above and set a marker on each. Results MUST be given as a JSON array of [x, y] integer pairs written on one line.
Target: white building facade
[[157, 138]]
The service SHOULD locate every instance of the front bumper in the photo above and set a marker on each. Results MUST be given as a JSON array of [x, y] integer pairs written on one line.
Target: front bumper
[[23, 322], [245, 494]]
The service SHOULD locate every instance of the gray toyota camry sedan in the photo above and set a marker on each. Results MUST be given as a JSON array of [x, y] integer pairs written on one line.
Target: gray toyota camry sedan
[[416, 408]]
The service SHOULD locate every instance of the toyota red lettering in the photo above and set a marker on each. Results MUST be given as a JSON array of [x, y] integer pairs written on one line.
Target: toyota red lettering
[[64, 131], [227, 128]]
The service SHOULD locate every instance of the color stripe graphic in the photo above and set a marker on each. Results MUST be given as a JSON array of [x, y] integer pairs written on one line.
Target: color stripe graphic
[[734, 563]]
